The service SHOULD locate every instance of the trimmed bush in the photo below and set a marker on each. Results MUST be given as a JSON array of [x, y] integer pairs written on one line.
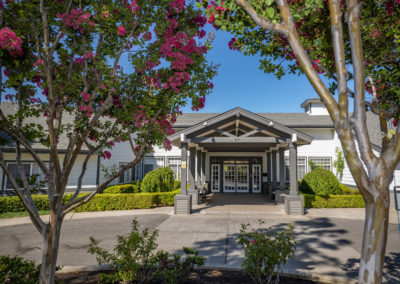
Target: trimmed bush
[[333, 201], [348, 191], [177, 184], [158, 180], [320, 182], [17, 270], [100, 202], [133, 187]]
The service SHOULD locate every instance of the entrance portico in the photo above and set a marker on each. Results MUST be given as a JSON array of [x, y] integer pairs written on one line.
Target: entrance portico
[[238, 152]]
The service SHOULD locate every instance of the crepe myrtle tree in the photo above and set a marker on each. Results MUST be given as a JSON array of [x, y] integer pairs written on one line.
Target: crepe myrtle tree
[[62, 64], [356, 46]]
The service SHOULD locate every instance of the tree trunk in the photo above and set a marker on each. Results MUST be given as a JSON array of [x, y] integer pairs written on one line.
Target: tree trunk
[[374, 241], [51, 239]]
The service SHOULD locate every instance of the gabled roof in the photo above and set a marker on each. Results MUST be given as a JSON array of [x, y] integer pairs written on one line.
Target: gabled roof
[[276, 129], [291, 120]]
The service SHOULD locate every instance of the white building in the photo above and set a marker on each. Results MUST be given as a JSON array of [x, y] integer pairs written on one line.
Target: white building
[[236, 151]]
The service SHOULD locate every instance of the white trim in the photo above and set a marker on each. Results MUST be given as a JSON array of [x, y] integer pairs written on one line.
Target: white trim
[[212, 178]]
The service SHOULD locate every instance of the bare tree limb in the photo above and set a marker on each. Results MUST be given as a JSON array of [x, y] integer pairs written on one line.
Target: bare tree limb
[[359, 123], [84, 199], [34, 215]]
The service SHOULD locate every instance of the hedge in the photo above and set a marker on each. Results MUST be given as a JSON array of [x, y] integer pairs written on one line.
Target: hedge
[[100, 202], [133, 187], [333, 201], [348, 191]]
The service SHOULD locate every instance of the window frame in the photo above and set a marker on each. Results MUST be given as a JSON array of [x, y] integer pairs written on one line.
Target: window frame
[[31, 162], [155, 159], [286, 162], [178, 165], [321, 157]]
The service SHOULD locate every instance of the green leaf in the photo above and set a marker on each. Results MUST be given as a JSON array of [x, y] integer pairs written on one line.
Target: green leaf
[[270, 12]]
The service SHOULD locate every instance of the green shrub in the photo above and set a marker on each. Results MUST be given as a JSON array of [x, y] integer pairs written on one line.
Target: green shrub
[[17, 270], [348, 191], [333, 201], [320, 182], [134, 259], [133, 187], [158, 180], [14, 204], [132, 253], [171, 269], [100, 202], [265, 251], [177, 184]]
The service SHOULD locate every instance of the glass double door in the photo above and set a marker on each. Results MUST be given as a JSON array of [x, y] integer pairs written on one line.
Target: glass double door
[[236, 178]]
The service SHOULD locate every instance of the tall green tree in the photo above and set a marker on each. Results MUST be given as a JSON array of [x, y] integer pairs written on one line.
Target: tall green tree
[[356, 46], [98, 73]]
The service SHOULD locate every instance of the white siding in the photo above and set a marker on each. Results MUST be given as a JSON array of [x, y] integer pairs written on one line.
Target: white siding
[[317, 109], [89, 180]]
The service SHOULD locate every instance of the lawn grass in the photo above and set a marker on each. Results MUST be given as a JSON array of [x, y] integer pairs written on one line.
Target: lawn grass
[[20, 214]]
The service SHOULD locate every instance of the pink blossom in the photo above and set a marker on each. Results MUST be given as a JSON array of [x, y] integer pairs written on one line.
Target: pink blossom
[[39, 61], [253, 241], [177, 5], [147, 36], [106, 155], [167, 144], [10, 42], [85, 96], [111, 143], [89, 55], [77, 19], [232, 45], [7, 72], [106, 14], [121, 31]]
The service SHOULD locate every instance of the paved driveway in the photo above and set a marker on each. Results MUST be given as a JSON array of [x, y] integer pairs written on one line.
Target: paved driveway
[[329, 239]]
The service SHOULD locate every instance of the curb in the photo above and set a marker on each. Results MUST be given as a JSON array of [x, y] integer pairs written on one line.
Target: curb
[[320, 278]]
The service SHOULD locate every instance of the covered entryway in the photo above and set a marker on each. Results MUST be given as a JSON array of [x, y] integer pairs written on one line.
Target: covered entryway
[[232, 203], [237, 152]]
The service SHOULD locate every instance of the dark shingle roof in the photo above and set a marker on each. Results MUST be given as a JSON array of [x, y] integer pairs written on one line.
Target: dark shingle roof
[[292, 120], [11, 108]]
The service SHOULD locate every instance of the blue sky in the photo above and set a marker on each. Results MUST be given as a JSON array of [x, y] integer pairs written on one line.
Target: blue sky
[[240, 83]]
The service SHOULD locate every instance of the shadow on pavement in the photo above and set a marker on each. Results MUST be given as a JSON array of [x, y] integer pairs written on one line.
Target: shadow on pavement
[[391, 271]]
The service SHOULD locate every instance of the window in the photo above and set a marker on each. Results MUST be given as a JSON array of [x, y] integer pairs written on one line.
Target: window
[[301, 168], [127, 175], [137, 172], [323, 162], [175, 166], [32, 171], [152, 163]]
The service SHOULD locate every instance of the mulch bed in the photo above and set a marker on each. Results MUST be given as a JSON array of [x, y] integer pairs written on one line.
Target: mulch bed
[[199, 276]]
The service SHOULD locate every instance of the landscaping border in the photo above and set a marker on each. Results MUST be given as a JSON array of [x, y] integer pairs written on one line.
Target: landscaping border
[[100, 202]]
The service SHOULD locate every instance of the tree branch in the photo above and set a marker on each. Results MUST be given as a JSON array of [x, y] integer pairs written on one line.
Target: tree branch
[[34, 215], [84, 199], [259, 20], [359, 123]]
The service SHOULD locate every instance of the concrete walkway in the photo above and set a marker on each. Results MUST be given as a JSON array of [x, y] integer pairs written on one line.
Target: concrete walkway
[[328, 249]]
